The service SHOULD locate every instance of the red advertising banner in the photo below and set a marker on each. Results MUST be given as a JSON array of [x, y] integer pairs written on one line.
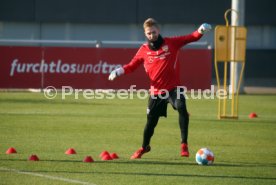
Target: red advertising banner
[[39, 67]]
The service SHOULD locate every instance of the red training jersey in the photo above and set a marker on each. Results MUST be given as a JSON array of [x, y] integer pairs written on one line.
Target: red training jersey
[[160, 65]]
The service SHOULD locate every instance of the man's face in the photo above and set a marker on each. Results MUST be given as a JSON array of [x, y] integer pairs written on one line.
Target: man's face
[[151, 33]]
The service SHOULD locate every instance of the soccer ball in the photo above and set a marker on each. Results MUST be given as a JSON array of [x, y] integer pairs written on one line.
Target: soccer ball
[[204, 156]]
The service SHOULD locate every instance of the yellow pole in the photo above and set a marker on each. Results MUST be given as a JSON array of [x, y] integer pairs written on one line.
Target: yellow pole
[[218, 81]]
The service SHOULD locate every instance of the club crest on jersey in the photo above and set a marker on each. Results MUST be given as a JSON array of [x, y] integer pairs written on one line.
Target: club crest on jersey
[[165, 48]]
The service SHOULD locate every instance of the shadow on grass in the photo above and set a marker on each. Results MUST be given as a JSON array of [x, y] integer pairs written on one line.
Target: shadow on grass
[[52, 102], [150, 174], [260, 120], [181, 175], [43, 160], [152, 162]]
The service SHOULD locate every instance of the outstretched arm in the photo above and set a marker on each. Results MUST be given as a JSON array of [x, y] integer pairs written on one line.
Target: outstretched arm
[[195, 36], [133, 64]]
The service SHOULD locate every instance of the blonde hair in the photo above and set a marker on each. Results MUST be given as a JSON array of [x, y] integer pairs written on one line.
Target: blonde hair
[[150, 22]]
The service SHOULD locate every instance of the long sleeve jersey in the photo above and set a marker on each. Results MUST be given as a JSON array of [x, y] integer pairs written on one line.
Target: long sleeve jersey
[[160, 65]]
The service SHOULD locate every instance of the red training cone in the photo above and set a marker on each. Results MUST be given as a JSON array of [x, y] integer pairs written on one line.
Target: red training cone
[[11, 150], [114, 156], [88, 159], [106, 157], [33, 158], [70, 151], [253, 115], [104, 153]]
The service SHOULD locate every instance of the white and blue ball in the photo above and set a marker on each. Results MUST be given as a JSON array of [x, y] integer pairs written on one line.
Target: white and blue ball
[[205, 156]]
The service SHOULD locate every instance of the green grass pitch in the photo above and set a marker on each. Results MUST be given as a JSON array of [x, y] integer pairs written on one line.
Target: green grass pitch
[[245, 149]]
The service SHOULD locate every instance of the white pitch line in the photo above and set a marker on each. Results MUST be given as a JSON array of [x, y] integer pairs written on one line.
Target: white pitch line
[[47, 176]]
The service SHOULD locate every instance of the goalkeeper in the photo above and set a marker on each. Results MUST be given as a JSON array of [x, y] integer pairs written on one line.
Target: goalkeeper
[[159, 56]]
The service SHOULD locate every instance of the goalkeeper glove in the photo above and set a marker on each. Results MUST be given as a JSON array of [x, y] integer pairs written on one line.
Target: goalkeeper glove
[[204, 28], [117, 72]]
